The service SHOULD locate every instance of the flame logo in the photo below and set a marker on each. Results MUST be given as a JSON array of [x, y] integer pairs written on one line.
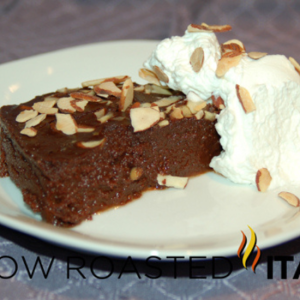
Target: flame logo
[[249, 250]]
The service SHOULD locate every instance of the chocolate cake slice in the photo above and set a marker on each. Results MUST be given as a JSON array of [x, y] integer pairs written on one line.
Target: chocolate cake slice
[[76, 152]]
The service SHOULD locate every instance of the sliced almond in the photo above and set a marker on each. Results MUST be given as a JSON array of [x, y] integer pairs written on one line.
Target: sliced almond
[[79, 105], [51, 98], [234, 45], [83, 96], [143, 118], [107, 87], [197, 59], [106, 117], [176, 113], [119, 118], [209, 116], [46, 107], [140, 88], [35, 121], [162, 115], [163, 123], [290, 198], [100, 113], [66, 123], [196, 106], [91, 144], [245, 99], [295, 64], [186, 111], [199, 115], [126, 95], [31, 132], [161, 90], [263, 179], [172, 181], [136, 173], [210, 28], [149, 76], [167, 101], [226, 63], [169, 109], [145, 104], [162, 76], [218, 102], [26, 115], [85, 128], [116, 79], [64, 104], [257, 55], [66, 90]]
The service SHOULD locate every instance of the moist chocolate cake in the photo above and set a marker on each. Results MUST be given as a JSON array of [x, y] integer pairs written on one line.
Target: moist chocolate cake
[[76, 152]]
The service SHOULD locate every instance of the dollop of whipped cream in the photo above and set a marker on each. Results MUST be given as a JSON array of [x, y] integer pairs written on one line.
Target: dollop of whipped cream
[[268, 137]]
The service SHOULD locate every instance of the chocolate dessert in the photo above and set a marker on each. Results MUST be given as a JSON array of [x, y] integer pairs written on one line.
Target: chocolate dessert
[[77, 152]]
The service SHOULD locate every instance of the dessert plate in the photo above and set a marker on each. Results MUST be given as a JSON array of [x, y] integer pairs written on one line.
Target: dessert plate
[[205, 219]]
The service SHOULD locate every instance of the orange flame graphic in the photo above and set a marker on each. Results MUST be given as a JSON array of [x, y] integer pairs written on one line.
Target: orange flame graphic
[[249, 250]]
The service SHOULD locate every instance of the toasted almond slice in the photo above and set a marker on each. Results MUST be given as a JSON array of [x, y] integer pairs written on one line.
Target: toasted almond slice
[[290, 198], [106, 117], [35, 121], [64, 104], [143, 118], [91, 144], [197, 59], [233, 45], [186, 111], [176, 113], [157, 89], [100, 113], [218, 102], [245, 99], [45, 107], [126, 95], [107, 87], [257, 55], [172, 181], [51, 98], [85, 128], [79, 105], [210, 28], [149, 76], [295, 64], [209, 116], [26, 115], [263, 179], [83, 96], [163, 123], [145, 104], [196, 106], [162, 115], [118, 118], [30, 131], [163, 102], [109, 102], [148, 89], [162, 76], [105, 96], [116, 79], [139, 88], [66, 123], [199, 115], [226, 63], [66, 90], [136, 173], [169, 109]]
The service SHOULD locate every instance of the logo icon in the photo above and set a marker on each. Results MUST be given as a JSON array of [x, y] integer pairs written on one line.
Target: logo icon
[[249, 250]]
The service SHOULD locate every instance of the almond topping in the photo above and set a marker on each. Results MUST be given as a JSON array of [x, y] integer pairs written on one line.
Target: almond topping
[[46, 107], [136, 173], [195, 106], [109, 88], [167, 101], [116, 79], [149, 76], [79, 105], [106, 117], [176, 113], [197, 59], [162, 76], [64, 104], [186, 111], [172, 181], [51, 98], [145, 104], [209, 116], [126, 95], [119, 118], [245, 99], [257, 55], [209, 28], [143, 118], [35, 121], [290, 198], [263, 179], [26, 115], [100, 113], [233, 46], [83, 96], [139, 88], [218, 102], [199, 115], [85, 128], [66, 124], [31, 132], [226, 63], [91, 144], [163, 123], [295, 64], [157, 89]]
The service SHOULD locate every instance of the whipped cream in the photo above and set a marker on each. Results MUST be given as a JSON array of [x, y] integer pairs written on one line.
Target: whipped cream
[[268, 137]]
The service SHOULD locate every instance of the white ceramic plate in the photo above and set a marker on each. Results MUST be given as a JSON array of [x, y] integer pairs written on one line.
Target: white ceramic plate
[[205, 219]]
